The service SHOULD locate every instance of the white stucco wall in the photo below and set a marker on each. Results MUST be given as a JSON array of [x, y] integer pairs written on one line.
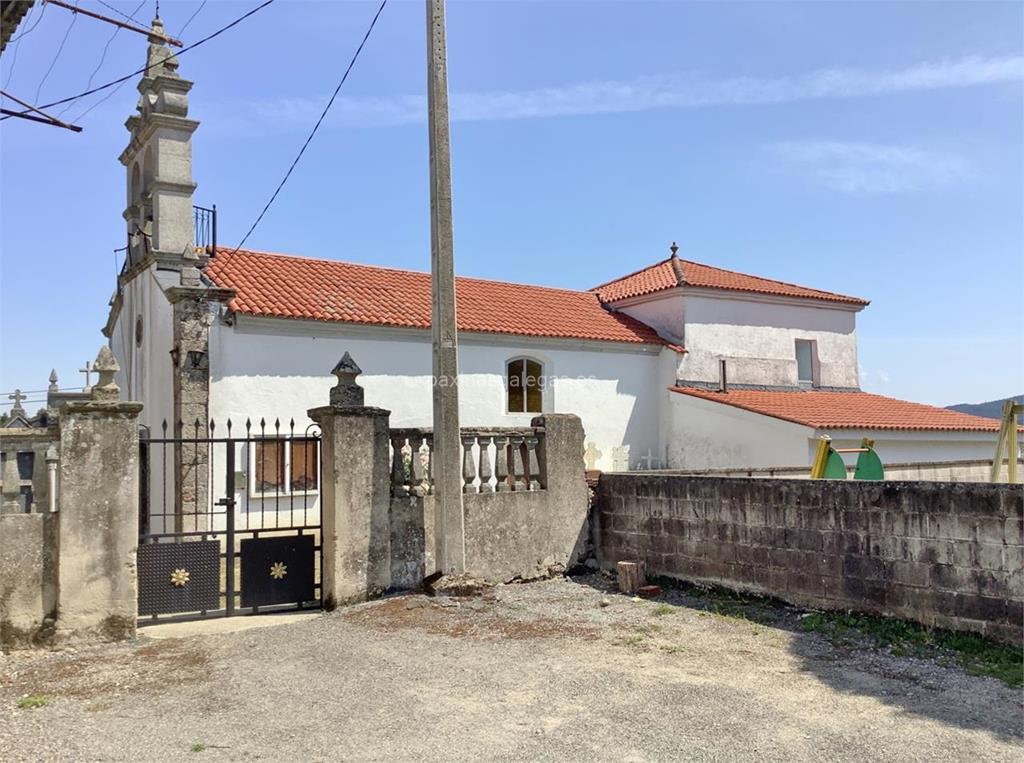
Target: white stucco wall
[[707, 435], [145, 374], [916, 447], [755, 334], [276, 368]]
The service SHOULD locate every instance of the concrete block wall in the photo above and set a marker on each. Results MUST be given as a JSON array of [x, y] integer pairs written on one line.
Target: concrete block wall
[[943, 554], [932, 471]]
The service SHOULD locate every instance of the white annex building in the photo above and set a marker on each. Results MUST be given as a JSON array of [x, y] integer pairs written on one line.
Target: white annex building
[[677, 365]]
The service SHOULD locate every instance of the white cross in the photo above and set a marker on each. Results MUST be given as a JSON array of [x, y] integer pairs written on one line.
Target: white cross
[[87, 371]]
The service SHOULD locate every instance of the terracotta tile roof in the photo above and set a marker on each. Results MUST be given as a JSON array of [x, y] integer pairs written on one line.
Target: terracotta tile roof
[[665, 275], [846, 410], [326, 290]]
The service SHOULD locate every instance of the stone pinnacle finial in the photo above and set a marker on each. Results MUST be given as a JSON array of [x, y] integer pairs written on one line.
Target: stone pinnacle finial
[[160, 60], [346, 393], [53, 381], [674, 249], [189, 267], [106, 365]]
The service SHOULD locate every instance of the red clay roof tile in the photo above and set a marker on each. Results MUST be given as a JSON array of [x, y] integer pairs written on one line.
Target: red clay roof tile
[[845, 410], [662, 275], [326, 290]]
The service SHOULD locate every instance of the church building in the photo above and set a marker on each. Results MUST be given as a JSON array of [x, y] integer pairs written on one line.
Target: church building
[[677, 365]]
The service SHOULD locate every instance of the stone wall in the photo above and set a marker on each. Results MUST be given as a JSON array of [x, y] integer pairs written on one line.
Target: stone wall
[[932, 471], [944, 554], [67, 563], [519, 534], [28, 579]]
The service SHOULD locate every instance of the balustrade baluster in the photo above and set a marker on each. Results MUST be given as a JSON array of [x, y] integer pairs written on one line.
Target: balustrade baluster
[[534, 463], [485, 464], [430, 463], [518, 467], [501, 463], [419, 472], [468, 464], [398, 485]]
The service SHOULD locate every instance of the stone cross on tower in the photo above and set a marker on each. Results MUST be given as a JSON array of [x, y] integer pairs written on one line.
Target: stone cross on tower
[[88, 374], [17, 410]]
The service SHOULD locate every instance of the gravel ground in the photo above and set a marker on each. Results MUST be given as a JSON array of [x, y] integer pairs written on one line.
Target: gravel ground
[[558, 670]]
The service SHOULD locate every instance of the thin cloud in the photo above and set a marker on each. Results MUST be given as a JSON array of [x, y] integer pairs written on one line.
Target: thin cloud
[[636, 95], [867, 169]]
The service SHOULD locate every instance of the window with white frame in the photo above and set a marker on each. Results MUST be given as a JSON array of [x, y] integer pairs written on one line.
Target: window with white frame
[[285, 466], [524, 384], [807, 362]]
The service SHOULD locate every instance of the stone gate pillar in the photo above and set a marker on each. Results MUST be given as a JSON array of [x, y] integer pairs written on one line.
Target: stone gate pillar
[[355, 497], [99, 512]]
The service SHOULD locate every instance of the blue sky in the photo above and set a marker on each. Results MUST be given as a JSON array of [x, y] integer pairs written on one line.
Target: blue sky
[[870, 148]]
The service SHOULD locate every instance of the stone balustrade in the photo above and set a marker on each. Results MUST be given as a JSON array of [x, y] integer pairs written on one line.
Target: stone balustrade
[[494, 460]]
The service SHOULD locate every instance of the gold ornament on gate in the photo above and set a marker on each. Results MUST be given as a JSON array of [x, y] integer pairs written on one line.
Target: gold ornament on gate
[[278, 570], [179, 577]]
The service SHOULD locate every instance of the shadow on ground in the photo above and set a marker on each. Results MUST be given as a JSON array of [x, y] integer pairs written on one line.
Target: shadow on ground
[[875, 657]]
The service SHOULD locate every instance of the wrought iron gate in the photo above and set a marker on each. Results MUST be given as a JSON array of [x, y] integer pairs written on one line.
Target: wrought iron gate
[[228, 525]]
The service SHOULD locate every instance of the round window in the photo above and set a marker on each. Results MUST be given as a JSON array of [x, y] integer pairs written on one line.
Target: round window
[[138, 331]]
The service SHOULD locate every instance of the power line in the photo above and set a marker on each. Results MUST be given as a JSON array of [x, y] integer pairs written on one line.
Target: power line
[[316, 127], [28, 392], [17, 44], [60, 48], [145, 69], [201, 6], [122, 14], [113, 92], [18, 38], [103, 56]]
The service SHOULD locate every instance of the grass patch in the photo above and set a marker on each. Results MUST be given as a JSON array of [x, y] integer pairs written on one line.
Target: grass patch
[[977, 655], [672, 648], [663, 609], [32, 701], [197, 747]]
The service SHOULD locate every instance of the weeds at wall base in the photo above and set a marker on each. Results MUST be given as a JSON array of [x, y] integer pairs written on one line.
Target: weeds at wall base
[[975, 654]]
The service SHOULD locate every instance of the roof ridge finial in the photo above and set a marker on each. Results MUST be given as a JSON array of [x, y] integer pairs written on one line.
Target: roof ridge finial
[[677, 265]]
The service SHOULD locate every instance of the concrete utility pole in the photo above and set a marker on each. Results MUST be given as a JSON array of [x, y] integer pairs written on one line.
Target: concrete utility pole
[[447, 466]]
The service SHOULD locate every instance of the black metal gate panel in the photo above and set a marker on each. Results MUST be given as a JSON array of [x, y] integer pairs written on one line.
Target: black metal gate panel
[[228, 524], [179, 577], [277, 570]]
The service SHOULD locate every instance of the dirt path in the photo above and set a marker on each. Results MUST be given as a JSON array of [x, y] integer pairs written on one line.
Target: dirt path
[[559, 670]]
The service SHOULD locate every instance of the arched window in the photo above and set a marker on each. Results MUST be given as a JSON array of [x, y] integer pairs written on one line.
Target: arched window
[[524, 383]]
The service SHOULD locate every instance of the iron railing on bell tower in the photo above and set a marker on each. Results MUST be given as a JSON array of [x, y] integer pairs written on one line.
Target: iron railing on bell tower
[[205, 221]]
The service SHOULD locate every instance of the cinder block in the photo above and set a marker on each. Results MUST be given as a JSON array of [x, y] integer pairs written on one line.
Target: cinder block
[[990, 557], [990, 530]]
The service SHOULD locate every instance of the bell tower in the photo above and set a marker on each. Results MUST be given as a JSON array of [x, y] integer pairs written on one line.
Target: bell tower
[[158, 161]]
